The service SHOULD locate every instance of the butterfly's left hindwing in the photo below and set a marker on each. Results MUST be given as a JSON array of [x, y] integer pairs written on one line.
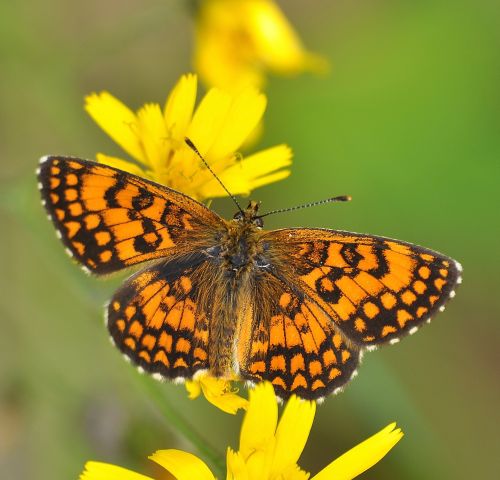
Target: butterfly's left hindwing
[[155, 318], [110, 219], [375, 289]]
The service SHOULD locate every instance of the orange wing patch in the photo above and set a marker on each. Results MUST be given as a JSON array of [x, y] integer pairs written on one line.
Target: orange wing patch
[[110, 219], [155, 319], [296, 346], [375, 289]]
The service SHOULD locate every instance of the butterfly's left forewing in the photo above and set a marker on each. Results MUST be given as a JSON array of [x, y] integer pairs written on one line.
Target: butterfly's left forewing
[[375, 289], [109, 219]]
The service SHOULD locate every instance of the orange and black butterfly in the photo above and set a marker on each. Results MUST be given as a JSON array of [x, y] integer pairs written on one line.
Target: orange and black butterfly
[[294, 306]]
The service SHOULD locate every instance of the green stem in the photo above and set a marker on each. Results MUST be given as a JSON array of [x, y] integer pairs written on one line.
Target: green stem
[[184, 427]]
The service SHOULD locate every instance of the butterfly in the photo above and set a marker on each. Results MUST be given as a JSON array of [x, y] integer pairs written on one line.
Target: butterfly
[[295, 306]]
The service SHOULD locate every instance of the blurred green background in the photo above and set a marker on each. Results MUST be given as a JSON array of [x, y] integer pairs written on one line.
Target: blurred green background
[[407, 123]]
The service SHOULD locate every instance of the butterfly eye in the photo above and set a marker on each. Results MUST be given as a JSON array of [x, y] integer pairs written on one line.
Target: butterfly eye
[[238, 216], [258, 222]]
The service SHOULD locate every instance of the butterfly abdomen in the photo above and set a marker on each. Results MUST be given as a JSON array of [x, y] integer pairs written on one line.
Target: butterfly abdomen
[[223, 330]]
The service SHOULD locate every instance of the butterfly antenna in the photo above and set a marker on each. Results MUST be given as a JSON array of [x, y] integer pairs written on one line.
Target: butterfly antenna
[[192, 146], [341, 198]]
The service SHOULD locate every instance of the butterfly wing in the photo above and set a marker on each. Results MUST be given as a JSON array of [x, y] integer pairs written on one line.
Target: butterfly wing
[[156, 318], [109, 219], [291, 342], [375, 289]]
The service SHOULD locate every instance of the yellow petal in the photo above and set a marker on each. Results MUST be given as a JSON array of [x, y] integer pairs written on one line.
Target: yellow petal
[[363, 456], [179, 106], [208, 119], [117, 120], [259, 424], [254, 136], [276, 42], [193, 387], [260, 462], [154, 136], [236, 467], [121, 164], [224, 54], [267, 161], [251, 172], [106, 471], [242, 118], [263, 162], [292, 432], [220, 393], [268, 179], [182, 465], [294, 472], [220, 64]]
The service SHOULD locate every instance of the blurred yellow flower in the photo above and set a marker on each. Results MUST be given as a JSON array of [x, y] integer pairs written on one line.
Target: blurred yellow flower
[[238, 41], [269, 450], [217, 391], [218, 127]]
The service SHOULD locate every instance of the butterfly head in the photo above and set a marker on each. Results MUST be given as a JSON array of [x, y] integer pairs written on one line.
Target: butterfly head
[[249, 215]]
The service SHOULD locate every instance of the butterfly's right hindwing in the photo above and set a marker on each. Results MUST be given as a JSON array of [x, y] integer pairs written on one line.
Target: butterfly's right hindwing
[[292, 343], [110, 219]]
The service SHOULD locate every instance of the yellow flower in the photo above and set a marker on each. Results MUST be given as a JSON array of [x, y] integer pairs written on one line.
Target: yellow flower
[[217, 391], [269, 450], [238, 41], [154, 138]]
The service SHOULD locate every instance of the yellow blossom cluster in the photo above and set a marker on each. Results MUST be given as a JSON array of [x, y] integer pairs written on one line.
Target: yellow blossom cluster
[[269, 448]]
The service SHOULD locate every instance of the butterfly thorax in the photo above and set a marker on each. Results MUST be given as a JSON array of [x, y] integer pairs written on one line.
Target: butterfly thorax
[[238, 248], [239, 245]]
